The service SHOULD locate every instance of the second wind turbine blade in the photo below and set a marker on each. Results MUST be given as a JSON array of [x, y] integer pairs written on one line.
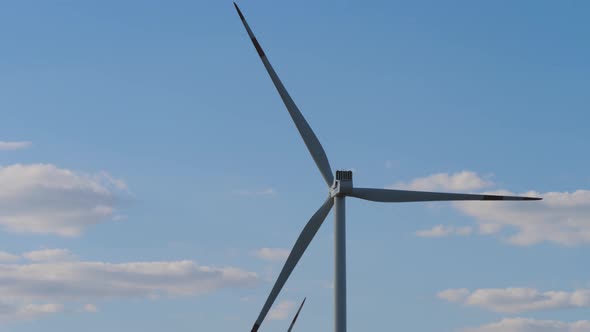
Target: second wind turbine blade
[[296, 315], [303, 241], [309, 138]]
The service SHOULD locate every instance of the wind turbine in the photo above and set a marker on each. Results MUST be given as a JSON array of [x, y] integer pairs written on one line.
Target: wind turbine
[[339, 189]]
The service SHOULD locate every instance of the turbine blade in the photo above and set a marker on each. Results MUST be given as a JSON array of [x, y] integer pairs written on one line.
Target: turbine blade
[[307, 234], [309, 138], [296, 315], [388, 195]]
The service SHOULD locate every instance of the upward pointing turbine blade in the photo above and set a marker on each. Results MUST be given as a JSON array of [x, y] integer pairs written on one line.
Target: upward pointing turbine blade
[[311, 141], [389, 195], [296, 315], [307, 234]]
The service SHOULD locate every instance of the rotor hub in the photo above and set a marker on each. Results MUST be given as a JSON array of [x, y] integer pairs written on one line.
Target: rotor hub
[[342, 184]]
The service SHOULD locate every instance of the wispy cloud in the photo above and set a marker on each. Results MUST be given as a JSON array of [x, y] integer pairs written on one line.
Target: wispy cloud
[[272, 254], [442, 231], [98, 280], [10, 312], [59, 283], [282, 310], [531, 325], [49, 255], [17, 145], [517, 300], [460, 181]]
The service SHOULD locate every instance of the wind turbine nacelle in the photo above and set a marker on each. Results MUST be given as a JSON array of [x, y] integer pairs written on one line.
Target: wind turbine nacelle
[[342, 184]]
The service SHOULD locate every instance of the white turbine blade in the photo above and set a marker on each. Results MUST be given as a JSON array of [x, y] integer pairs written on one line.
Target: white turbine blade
[[296, 315], [387, 195], [307, 234], [311, 141]]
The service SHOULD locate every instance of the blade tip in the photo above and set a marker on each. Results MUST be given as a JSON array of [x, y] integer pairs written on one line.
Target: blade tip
[[509, 198], [239, 11], [533, 198]]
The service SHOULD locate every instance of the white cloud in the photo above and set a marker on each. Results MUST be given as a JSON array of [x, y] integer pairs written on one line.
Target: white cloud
[[30, 290], [272, 254], [42, 198], [14, 145], [561, 217], [532, 325], [262, 192], [61, 281], [460, 181], [49, 255], [517, 300], [442, 231], [282, 310], [10, 312], [8, 257]]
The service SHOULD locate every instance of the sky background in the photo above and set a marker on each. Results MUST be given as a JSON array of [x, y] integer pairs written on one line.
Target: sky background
[[146, 162]]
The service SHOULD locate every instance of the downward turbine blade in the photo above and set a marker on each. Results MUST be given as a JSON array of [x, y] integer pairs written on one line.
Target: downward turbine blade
[[296, 315], [388, 195], [309, 138], [307, 234]]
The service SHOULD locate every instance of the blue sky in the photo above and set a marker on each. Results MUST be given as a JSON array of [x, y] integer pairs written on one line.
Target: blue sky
[[146, 159]]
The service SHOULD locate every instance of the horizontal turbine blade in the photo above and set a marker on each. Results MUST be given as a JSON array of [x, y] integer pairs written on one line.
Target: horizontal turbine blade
[[296, 315], [307, 234], [389, 195], [309, 138]]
